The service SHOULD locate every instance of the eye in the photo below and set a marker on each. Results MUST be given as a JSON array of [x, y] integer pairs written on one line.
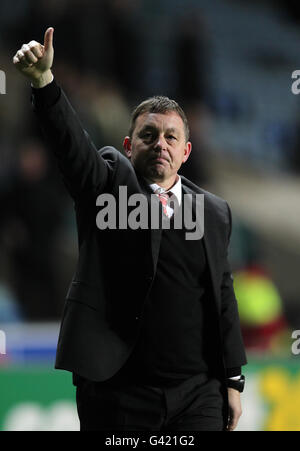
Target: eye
[[146, 134], [171, 137]]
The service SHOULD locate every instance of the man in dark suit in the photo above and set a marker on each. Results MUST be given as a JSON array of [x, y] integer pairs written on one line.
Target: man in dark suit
[[150, 328]]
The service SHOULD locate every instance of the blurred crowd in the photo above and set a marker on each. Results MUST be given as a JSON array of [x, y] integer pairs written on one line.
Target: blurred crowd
[[109, 56]]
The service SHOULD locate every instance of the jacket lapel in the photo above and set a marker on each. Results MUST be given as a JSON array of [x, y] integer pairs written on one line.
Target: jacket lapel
[[209, 241]]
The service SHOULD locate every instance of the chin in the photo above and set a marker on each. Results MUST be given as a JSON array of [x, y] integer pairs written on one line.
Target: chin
[[158, 175]]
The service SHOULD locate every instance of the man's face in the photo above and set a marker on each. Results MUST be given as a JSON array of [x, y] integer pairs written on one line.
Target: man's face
[[158, 147]]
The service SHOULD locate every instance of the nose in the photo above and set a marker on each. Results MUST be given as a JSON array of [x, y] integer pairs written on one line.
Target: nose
[[160, 144]]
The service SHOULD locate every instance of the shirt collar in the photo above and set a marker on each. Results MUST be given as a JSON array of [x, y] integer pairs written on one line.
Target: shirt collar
[[176, 189]]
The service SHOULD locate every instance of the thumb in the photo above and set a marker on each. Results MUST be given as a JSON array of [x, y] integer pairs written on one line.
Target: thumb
[[48, 39]]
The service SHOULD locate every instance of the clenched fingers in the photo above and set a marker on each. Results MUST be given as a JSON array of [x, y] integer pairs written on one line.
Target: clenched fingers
[[29, 54], [36, 48], [20, 58]]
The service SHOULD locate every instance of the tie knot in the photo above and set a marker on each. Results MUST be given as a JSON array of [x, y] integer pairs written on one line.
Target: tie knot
[[163, 195], [160, 191], [164, 198]]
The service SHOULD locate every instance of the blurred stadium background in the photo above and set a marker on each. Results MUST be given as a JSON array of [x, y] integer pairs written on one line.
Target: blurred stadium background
[[229, 63]]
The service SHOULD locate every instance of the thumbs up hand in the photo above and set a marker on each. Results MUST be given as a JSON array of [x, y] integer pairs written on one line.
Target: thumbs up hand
[[35, 60]]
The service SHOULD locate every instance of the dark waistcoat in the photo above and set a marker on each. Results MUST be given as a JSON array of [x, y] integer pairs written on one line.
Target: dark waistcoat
[[175, 341]]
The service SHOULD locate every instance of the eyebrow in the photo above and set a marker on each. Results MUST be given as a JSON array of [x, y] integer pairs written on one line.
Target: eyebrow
[[173, 130], [154, 127], [148, 127]]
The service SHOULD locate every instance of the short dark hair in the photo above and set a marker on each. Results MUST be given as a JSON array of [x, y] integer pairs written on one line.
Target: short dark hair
[[162, 105]]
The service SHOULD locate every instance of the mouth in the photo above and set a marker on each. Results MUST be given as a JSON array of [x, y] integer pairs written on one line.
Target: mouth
[[160, 160]]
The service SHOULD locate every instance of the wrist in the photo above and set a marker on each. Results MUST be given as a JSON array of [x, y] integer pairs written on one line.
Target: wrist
[[236, 384], [45, 79]]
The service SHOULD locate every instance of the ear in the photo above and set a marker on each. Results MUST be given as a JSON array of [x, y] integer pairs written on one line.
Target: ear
[[127, 146], [187, 151]]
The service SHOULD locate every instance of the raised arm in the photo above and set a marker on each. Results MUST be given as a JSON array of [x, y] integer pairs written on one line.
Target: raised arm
[[83, 168]]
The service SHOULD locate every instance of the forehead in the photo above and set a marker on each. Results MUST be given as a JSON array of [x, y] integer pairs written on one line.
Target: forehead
[[161, 121]]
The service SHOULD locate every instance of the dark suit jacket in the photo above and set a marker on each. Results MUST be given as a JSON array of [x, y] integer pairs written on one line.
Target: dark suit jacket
[[115, 269]]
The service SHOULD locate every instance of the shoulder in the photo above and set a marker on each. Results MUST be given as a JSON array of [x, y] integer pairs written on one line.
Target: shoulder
[[110, 153], [216, 209], [211, 199], [115, 160]]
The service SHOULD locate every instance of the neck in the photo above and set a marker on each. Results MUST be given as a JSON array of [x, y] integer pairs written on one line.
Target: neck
[[166, 184]]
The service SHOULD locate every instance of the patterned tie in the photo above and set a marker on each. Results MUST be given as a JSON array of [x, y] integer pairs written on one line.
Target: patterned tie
[[164, 199]]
